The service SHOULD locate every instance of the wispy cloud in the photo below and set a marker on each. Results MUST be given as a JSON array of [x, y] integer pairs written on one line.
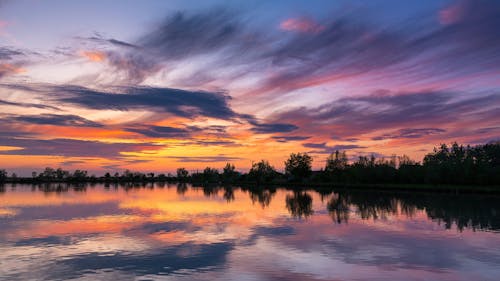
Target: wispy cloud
[[54, 119], [72, 147]]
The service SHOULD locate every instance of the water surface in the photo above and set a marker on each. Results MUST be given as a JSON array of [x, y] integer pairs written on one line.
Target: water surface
[[180, 232]]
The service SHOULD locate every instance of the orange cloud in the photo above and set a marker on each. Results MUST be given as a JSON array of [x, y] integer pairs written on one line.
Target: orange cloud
[[7, 68], [95, 56], [304, 25]]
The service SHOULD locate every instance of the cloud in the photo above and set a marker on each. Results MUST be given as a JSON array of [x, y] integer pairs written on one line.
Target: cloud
[[72, 162], [302, 24], [207, 159], [135, 65], [94, 56], [101, 39], [272, 128], [161, 132], [326, 149], [24, 104], [72, 147], [182, 103], [184, 35], [290, 138], [55, 120], [213, 33], [354, 116], [8, 69], [410, 133], [154, 131], [7, 53]]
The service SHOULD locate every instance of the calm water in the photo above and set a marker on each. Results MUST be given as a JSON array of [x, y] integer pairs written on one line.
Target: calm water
[[171, 232]]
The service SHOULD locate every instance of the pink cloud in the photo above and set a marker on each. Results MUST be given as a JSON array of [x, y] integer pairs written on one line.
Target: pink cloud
[[451, 14], [304, 25]]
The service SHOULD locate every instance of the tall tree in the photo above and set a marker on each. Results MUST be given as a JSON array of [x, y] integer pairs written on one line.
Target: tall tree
[[299, 166]]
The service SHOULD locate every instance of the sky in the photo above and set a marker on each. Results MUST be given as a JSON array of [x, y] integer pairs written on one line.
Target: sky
[[157, 85]]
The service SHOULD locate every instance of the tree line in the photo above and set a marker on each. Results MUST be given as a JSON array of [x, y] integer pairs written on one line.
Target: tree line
[[454, 164]]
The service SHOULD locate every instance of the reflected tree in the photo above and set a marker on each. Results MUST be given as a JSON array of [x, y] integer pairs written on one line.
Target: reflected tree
[[262, 195], [182, 188], [228, 193], [299, 204], [338, 208]]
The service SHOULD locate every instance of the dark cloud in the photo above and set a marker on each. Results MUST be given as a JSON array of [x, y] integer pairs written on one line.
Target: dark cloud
[[124, 162], [410, 133], [352, 116], [323, 148], [72, 147], [208, 159], [7, 53], [345, 45], [24, 104], [213, 143], [177, 102], [135, 65], [184, 35], [161, 132], [55, 120], [153, 131], [487, 130], [101, 39], [290, 138], [273, 128], [72, 162]]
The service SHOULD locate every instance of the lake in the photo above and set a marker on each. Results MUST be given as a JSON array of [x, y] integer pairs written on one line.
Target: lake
[[180, 232]]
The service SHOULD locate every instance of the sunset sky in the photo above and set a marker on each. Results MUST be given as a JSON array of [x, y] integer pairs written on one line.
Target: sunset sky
[[156, 85]]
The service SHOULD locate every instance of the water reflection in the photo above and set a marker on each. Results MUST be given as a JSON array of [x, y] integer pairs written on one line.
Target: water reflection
[[176, 231]]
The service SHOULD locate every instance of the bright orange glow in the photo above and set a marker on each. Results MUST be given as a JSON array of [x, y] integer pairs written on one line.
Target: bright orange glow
[[95, 56]]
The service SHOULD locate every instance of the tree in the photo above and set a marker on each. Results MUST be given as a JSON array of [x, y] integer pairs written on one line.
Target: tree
[[337, 161], [262, 172], [228, 173], [61, 174], [182, 174], [210, 175], [299, 166], [3, 175]]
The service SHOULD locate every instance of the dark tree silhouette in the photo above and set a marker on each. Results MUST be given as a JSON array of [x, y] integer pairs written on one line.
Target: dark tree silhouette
[[3, 175], [262, 172], [298, 166], [229, 174], [182, 174]]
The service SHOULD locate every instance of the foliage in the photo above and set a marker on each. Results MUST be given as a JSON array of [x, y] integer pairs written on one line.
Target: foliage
[[299, 166], [182, 174], [262, 172]]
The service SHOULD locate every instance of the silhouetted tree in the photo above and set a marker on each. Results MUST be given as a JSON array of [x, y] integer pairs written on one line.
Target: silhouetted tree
[[336, 164], [229, 174], [262, 172], [182, 174], [336, 161], [298, 166], [210, 175], [3, 175]]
